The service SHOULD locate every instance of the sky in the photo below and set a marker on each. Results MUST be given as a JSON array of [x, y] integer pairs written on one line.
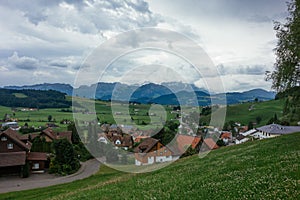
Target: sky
[[51, 41]]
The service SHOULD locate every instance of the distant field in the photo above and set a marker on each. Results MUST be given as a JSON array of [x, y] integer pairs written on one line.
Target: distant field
[[266, 169], [20, 95], [239, 113]]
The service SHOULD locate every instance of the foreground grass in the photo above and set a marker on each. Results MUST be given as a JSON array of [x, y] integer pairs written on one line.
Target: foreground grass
[[267, 169]]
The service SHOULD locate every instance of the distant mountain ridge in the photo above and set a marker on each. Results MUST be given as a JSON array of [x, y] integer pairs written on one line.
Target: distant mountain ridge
[[168, 93]]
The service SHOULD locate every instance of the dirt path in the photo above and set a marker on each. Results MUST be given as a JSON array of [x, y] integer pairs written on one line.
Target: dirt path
[[9, 184]]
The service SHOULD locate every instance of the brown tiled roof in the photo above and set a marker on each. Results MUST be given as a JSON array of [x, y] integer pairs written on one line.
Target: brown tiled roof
[[146, 145], [13, 135], [37, 156], [12, 159], [26, 136], [210, 143], [184, 141], [66, 134], [50, 133]]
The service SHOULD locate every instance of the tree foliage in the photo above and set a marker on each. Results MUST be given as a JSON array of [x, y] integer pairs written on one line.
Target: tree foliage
[[65, 160], [287, 66]]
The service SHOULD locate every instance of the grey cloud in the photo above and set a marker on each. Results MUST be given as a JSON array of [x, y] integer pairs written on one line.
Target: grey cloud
[[253, 70], [248, 69], [61, 65], [23, 62]]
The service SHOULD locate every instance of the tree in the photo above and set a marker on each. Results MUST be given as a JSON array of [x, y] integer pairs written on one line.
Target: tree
[[258, 119], [75, 137], [65, 160], [287, 66], [49, 118], [250, 125]]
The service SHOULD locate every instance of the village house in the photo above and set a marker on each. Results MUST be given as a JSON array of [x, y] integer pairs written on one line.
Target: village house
[[274, 130], [50, 135], [208, 144], [14, 154], [151, 151], [15, 150], [183, 142], [226, 136], [115, 135], [240, 138]]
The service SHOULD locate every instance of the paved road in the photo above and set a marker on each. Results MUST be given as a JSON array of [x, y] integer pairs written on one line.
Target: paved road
[[9, 184]]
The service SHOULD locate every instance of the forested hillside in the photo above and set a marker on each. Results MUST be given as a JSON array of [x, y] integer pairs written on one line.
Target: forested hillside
[[33, 99]]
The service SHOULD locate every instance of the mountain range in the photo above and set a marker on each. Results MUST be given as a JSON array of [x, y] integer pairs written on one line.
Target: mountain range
[[165, 93]]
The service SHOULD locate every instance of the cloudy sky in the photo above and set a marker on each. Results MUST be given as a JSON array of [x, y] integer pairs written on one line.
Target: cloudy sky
[[48, 41]]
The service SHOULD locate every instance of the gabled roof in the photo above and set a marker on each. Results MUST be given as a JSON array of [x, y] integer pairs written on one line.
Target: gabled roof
[[25, 137], [49, 132], [210, 143], [12, 159], [277, 129], [14, 136], [184, 141], [37, 156], [146, 145]]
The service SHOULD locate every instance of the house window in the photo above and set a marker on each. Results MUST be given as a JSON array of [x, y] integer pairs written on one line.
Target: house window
[[36, 166], [3, 138], [165, 150], [10, 146], [161, 153]]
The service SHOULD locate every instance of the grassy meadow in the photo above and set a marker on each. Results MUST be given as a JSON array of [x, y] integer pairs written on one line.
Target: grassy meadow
[[140, 114], [265, 169]]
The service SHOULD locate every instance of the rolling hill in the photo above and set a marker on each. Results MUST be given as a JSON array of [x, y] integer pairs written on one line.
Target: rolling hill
[[265, 169]]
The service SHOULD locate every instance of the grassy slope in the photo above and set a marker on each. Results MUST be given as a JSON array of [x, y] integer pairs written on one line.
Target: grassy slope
[[267, 169], [241, 113]]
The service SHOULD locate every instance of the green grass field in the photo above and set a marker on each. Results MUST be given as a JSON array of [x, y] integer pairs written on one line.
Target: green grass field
[[238, 113], [241, 113], [266, 169]]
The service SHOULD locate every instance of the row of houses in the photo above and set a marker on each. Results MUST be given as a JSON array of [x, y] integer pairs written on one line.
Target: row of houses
[[151, 151], [15, 150]]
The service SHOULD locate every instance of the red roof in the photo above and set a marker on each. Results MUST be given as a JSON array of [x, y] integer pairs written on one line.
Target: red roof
[[185, 141], [12, 159], [226, 135], [210, 143], [37, 156]]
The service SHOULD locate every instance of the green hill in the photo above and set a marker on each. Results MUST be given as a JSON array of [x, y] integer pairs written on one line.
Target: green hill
[[246, 112], [266, 169]]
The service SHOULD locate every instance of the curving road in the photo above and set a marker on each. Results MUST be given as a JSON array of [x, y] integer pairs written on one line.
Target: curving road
[[9, 184]]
